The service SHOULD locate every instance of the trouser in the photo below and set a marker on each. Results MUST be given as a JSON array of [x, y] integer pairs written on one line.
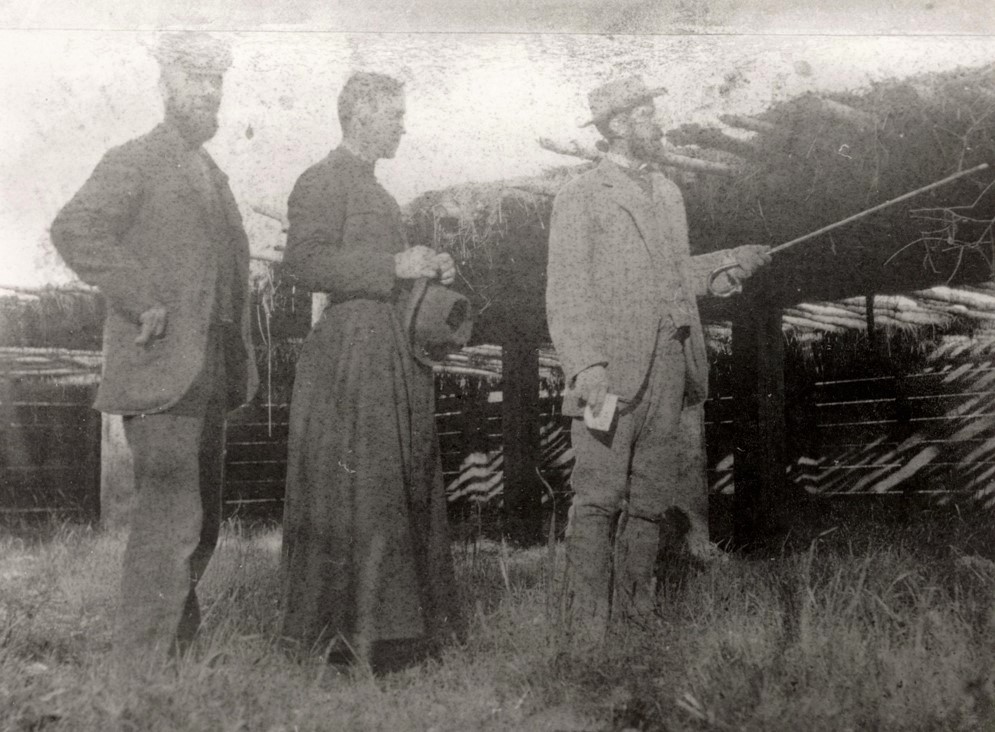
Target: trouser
[[624, 482], [179, 463]]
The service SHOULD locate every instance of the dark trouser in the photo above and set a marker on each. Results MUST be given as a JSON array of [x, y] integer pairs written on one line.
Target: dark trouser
[[179, 464], [624, 482]]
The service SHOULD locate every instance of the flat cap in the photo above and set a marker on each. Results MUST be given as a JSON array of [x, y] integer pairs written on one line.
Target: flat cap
[[193, 51]]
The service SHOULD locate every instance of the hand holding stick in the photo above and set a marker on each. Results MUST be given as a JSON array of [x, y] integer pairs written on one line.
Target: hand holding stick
[[737, 285]]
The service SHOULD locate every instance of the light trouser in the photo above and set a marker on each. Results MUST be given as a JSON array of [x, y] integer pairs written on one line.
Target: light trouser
[[624, 481], [179, 465]]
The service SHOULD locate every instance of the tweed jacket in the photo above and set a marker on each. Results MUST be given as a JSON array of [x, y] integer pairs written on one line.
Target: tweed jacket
[[619, 267], [142, 230]]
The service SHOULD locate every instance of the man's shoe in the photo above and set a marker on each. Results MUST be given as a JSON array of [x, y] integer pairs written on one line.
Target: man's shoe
[[705, 551]]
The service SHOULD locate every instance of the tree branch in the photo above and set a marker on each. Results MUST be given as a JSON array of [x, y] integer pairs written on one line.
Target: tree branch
[[681, 162]]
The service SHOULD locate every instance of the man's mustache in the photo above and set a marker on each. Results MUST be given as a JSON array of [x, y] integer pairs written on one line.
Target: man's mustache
[[200, 104]]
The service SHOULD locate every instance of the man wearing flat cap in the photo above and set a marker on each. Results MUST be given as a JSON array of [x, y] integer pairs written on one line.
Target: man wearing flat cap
[[621, 303], [157, 230]]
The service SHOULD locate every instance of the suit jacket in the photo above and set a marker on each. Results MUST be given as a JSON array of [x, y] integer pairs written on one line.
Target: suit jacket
[[619, 265], [143, 231]]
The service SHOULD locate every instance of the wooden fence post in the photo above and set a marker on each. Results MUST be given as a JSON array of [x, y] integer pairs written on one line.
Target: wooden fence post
[[759, 465], [92, 426], [318, 302], [520, 429], [117, 474]]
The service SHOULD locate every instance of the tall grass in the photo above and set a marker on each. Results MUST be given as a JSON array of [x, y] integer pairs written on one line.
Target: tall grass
[[882, 637]]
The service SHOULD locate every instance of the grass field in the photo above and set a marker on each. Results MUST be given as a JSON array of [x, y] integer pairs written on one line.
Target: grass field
[[873, 627]]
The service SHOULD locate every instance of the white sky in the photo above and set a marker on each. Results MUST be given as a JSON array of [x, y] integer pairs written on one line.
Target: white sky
[[476, 104]]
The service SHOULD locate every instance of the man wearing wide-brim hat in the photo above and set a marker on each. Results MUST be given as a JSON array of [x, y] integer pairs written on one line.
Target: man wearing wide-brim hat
[[157, 229], [621, 303]]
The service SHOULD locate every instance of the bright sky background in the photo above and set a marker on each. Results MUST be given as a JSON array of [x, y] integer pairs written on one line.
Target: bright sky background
[[476, 104]]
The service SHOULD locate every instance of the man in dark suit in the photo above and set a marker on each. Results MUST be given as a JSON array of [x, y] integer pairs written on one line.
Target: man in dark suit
[[621, 302], [157, 229]]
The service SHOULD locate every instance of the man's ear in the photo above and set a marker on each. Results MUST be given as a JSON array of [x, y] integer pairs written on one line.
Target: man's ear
[[363, 111], [619, 125], [169, 80], [164, 91]]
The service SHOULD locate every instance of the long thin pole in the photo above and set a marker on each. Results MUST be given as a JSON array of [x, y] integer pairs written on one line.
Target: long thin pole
[[873, 209], [736, 285]]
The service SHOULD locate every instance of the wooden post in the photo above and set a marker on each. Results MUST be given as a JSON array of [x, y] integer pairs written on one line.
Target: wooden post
[[92, 425], [872, 331], [318, 302], [759, 466], [117, 474], [520, 429]]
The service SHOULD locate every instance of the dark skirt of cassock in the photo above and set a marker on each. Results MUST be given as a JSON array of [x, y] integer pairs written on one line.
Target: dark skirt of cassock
[[366, 550]]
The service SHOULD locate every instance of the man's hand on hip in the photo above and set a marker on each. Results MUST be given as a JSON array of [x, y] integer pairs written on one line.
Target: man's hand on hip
[[153, 323], [749, 259], [592, 386]]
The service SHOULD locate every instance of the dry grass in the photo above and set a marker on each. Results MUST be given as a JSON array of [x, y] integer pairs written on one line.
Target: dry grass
[[883, 636]]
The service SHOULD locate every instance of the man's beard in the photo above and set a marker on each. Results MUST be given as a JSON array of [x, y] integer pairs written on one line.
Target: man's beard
[[390, 151], [196, 126], [645, 149]]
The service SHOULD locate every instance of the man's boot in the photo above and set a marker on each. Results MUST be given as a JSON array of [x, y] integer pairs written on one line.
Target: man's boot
[[587, 585], [635, 586]]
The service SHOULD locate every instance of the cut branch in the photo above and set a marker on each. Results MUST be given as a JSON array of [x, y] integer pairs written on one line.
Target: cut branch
[[73, 288], [713, 138], [271, 213], [747, 123], [846, 113], [681, 162]]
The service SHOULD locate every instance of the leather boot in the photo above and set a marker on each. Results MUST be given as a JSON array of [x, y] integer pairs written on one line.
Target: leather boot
[[587, 585], [636, 553]]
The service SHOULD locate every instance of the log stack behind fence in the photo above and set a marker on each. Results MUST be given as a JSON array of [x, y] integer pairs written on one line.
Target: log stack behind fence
[[923, 424]]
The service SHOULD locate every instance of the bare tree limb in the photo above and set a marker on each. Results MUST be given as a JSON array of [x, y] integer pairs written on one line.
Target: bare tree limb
[[709, 137], [271, 213], [681, 162], [844, 112], [744, 122]]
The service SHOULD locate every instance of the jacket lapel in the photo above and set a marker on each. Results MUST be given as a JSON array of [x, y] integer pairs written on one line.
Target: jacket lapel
[[227, 212], [630, 197], [197, 181], [218, 209], [232, 219], [201, 175]]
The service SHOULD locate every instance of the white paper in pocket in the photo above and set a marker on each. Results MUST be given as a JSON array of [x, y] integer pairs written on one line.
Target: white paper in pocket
[[603, 422]]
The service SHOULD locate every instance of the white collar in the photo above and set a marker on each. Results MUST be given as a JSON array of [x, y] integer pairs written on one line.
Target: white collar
[[355, 151], [626, 162]]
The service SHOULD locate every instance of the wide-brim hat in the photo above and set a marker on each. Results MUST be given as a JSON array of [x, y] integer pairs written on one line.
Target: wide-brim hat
[[437, 320], [192, 51], [618, 96]]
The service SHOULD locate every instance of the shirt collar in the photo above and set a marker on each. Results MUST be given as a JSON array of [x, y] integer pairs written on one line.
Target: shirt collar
[[628, 164], [351, 149]]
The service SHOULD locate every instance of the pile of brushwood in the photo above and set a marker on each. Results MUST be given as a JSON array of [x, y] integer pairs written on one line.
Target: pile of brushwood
[[798, 166], [52, 318], [497, 232], [815, 160]]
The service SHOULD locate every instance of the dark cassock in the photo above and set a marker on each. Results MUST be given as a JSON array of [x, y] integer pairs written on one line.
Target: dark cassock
[[367, 563]]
